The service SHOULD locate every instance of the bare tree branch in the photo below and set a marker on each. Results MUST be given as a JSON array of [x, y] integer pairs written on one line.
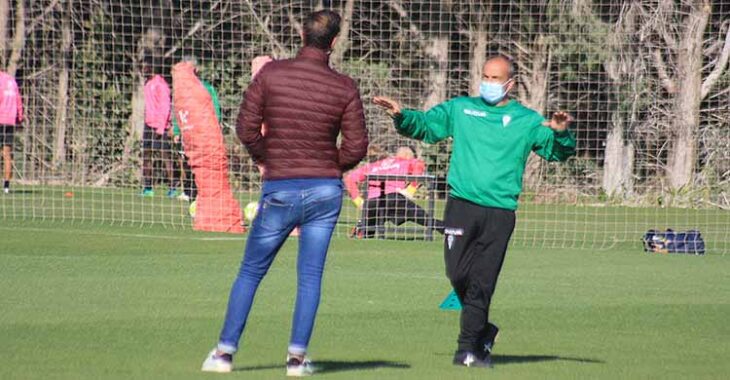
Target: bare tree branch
[[661, 68], [199, 24], [398, 8], [18, 38], [295, 23], [4, 18], [280, 50], [720, 93], [40, 17], [663, 22], [669, 39], [720, 64], [520, 47], [62, 94], [343, 41], [41, 72], [196, 27], [523, 68], [220, 22]]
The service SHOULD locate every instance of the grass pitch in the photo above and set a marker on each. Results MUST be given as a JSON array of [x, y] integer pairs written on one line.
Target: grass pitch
[[83, 301]]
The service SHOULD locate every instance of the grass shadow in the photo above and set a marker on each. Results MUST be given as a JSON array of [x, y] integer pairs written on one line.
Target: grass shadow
[[330, 366], [327, 366], [517, 359]]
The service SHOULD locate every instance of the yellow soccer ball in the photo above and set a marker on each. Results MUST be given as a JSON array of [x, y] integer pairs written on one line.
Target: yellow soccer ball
[[250, 211], [192, 209]]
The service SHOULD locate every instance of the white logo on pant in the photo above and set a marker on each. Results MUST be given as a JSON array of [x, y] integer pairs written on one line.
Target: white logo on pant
[[450, 235]]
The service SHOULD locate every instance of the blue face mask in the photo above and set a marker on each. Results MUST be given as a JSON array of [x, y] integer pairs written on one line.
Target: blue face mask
[[492, 93]]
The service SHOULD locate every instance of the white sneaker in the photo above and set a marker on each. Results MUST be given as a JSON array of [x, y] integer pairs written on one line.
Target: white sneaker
[[215, 363], [6, 190], [298, 368], [183, 197]]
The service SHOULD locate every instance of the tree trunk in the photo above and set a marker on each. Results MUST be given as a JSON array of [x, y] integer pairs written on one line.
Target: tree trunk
[[4, 15], [683, 156], [61, 122], [18, 38], [136, 120], [623, 67], [437, 49], [618, 163], [535, 97], [343, 39], [478, 39]]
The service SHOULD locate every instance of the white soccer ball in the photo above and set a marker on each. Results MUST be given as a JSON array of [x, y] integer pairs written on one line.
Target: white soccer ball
[[250, 211]]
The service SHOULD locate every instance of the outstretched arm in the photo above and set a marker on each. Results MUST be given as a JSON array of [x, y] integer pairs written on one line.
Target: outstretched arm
[[554, 143], [431, 126]]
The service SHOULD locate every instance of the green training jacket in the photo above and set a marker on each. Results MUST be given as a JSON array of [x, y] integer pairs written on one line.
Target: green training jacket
[[490, 147]]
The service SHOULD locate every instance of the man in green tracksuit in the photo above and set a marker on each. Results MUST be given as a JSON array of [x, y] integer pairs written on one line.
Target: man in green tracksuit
[[492, 137]]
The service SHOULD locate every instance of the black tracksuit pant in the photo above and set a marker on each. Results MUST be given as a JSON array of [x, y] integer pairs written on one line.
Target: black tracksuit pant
[[475, 243], [189, 186], [397, 209]]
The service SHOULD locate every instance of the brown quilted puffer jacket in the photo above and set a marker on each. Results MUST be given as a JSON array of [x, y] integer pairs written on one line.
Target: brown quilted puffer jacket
[[304, 105]]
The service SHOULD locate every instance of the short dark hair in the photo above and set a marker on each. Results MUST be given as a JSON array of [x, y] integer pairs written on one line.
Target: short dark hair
[[320, 28]]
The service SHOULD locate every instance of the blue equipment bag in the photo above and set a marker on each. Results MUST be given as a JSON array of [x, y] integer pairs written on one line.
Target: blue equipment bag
[[670, 241]]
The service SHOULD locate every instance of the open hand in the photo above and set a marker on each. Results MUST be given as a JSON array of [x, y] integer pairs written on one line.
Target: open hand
[[559, 121], [390, 106]]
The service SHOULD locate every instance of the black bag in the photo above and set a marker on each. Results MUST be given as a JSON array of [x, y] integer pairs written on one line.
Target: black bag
[[674, 242]]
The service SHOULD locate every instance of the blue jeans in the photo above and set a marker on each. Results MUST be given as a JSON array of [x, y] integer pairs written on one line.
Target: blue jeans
[[313, 205]]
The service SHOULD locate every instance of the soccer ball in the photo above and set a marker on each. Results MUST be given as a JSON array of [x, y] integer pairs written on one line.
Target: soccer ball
[[193, 209], [250, 211]]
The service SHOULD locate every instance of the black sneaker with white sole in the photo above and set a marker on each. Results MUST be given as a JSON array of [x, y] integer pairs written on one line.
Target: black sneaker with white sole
[[471, 359]]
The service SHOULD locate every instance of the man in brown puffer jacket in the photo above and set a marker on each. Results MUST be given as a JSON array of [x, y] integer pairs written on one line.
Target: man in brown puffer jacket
[[305, 105]]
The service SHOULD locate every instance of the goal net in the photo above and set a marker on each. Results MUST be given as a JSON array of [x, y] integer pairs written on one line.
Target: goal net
[[647, 83]]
